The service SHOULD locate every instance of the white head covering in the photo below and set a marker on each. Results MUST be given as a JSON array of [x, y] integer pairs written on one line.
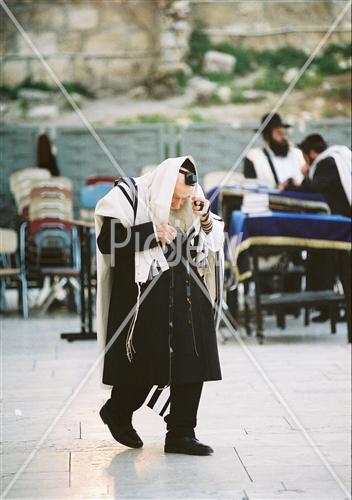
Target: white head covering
[[342, 157]]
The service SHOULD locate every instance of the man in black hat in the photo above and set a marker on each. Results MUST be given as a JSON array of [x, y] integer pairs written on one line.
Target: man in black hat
[[277, 161], [273, 165]]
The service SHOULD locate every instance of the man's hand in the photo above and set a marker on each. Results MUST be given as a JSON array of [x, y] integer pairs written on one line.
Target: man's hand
[[305, 170], [200, 205], [166, 233], [286, 184], [282, 185]]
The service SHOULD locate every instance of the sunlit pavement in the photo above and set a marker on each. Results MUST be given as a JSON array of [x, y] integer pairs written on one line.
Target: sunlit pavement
[[261, 451]]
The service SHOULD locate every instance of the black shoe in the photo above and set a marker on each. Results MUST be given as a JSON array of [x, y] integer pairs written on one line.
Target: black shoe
[[124, 434], [187, 445]]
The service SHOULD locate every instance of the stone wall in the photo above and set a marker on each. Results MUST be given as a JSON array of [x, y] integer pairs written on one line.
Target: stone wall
[[271, 23], [102, 44], [117, 44]]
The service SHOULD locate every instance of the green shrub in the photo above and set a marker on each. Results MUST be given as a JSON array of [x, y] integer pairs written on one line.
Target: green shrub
[[196, 117], [238, 97], [338, 49], [182, 80], [153, 118], [199, 44], [329, 65], [78, 88], [216, 101], [278, 61], [309, 79], [71, 87], [28, 83], [245, 60], [8, 92], [23, 105], [270, 81], [219, 77], [285, 57]]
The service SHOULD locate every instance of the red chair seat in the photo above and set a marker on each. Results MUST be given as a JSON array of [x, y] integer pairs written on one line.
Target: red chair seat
[[98, 179], [48, 222]]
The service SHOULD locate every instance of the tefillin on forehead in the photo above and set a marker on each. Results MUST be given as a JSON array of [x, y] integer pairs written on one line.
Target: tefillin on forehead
[[188, 169]]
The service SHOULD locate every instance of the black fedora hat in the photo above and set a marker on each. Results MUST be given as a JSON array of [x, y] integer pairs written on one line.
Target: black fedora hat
[[274, 122]]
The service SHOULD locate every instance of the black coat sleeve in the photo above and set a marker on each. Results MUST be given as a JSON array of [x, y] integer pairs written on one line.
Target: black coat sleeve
[[325, 176], [249, 170], [142, 237]]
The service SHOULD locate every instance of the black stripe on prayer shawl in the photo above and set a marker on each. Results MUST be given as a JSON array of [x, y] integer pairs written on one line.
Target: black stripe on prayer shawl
[[159, 400], [126, 194], [272, 168], [216, 217], [164, 408], [130, 182]]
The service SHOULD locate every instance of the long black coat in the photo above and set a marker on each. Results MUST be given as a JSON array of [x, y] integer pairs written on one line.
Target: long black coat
[[327, 181], [174, 343]]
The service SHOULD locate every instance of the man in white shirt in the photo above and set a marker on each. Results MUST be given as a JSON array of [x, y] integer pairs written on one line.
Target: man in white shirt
[[275, 165], [278, 161]]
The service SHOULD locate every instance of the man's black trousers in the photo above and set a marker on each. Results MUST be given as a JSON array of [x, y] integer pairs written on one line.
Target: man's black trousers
[[182, 418]]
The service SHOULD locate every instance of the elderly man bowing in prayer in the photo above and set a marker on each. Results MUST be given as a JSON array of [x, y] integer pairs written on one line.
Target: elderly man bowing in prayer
[[158, 282]]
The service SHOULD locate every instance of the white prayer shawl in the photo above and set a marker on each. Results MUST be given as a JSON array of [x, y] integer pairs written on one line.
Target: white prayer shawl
[[285, 166], [342, 157], [155, 191]]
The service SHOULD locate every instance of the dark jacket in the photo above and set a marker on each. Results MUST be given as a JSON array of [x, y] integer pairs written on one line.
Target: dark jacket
[[326, 180], [174, 343]]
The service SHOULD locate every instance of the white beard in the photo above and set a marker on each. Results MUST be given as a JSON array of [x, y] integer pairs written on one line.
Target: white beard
[[181, 218]]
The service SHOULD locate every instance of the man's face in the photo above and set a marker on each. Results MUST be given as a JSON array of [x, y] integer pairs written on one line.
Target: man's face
[[181, 193], [278, 141], [310, 156], [279, 134]]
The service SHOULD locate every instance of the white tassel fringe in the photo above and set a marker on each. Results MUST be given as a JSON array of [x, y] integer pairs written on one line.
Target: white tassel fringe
[[129, 344]]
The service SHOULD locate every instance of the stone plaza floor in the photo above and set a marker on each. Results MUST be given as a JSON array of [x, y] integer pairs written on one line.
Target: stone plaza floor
[[279, 421]]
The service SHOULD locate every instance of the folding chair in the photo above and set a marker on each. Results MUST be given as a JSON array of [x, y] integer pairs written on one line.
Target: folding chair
[[11, 268], [21, 184], [49, 241], [90, 194]]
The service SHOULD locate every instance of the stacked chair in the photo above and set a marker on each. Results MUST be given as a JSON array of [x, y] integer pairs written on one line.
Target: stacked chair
[[100, 179], [21, 183], [48, 240], [50, 210], [52, 245]]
